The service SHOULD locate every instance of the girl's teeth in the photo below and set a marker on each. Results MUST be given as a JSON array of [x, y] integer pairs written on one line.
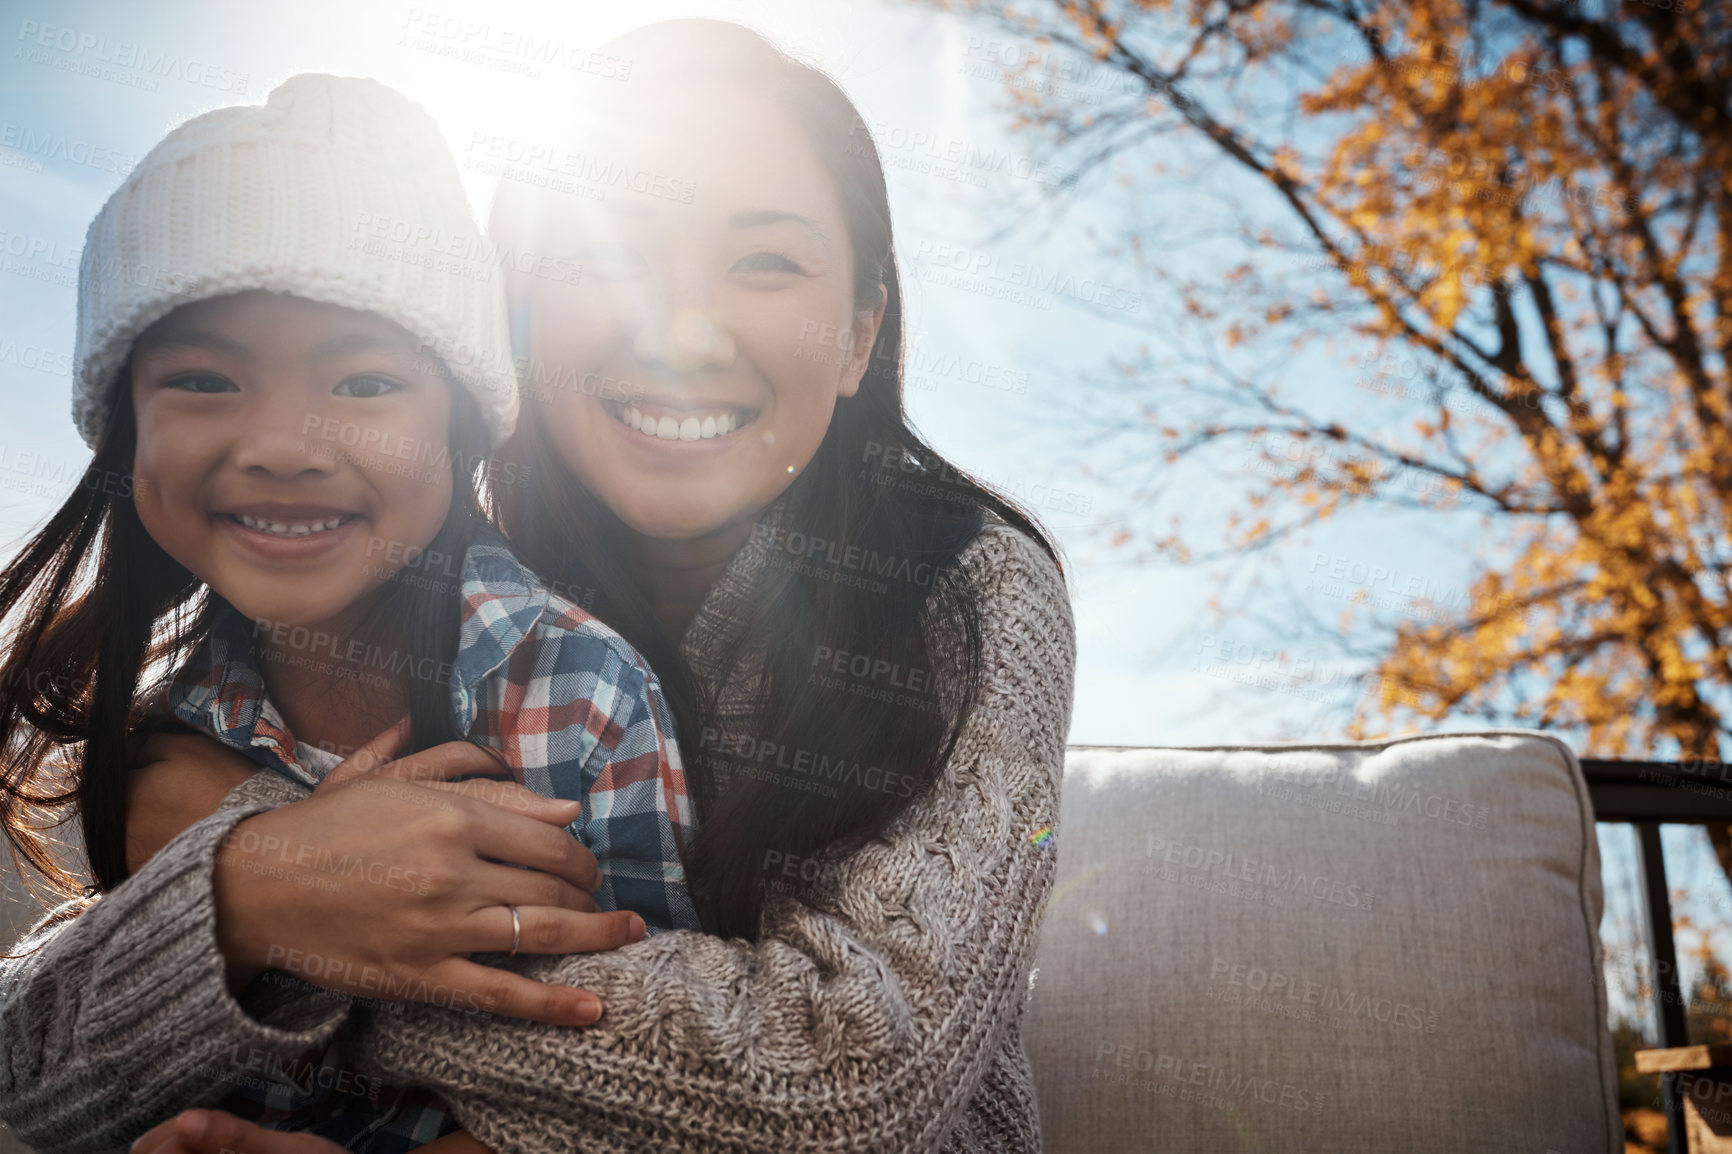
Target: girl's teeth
[[724, 424], [689, 429], [634, 418], [286, 529], [708, 428]]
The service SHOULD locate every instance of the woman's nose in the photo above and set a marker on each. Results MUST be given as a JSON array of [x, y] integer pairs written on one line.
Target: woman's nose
[[685, 341]]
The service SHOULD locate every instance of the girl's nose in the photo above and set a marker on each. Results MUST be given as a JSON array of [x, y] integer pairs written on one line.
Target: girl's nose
[[686, 341], [275, 440]]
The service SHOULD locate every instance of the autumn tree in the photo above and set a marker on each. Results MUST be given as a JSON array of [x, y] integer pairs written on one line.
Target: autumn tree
[[1511, 222]]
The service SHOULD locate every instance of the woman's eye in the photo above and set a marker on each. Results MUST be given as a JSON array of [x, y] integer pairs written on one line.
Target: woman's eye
[[612, 261], [766, 262], [366, 386], [201, 383]]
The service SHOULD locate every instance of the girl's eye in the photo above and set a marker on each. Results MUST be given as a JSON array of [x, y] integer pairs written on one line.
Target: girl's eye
[[201, 383], [766, 262], [365, 386], [612, 261]]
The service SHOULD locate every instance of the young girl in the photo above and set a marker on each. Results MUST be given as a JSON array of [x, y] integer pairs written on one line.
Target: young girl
[[287, 329]]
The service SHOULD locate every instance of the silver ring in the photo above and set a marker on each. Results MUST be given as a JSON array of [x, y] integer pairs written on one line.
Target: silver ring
[[516, 931]]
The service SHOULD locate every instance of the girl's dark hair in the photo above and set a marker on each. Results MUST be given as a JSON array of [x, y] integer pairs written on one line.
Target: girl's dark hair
[[875, 494], [97, 606]]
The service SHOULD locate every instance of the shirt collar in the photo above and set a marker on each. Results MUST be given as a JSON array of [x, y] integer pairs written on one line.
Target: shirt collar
[[221, 690], [502, 601]]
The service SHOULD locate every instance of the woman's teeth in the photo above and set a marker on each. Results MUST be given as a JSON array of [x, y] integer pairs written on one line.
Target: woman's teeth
[[289, 528], [668, 428]]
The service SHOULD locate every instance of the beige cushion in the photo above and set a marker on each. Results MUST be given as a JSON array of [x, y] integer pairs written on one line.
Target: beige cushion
[[1369, 947]]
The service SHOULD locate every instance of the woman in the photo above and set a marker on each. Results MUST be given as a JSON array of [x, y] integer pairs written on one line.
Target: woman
[[871, 678]]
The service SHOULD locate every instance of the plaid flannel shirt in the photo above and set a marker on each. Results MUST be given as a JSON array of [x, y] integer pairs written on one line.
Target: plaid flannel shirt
[[577, 713]]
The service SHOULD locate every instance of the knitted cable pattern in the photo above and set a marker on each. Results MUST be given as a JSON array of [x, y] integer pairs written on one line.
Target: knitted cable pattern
[[887, 1018], [115, 1019]]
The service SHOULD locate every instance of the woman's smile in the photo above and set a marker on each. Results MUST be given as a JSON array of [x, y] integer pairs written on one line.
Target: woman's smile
[[660, 420]]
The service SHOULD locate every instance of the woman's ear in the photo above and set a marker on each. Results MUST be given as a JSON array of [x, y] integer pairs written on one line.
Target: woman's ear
[[866, 325]]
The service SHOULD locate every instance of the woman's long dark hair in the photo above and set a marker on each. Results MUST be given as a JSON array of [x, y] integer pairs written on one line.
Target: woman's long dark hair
[[874, 486], [96, 603]]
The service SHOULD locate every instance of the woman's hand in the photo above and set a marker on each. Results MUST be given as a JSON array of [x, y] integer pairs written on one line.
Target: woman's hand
[[383, 881], [180, 779], [218, 1132]]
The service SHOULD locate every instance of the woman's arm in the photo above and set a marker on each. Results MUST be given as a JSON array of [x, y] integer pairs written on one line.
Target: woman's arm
[[866, 1024], [116, 1015], [119, 1012]]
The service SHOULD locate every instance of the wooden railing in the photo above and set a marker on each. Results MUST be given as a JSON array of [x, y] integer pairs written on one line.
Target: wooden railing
[[1648, 794]]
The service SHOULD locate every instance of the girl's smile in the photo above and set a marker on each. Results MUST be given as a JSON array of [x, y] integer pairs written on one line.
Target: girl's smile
[[285, 533]]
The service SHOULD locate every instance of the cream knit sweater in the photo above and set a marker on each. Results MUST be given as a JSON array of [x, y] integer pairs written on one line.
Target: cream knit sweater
[[887, 1017]]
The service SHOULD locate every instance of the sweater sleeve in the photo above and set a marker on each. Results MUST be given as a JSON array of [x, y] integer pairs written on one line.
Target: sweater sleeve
[[116, 1017], [865, 1024]]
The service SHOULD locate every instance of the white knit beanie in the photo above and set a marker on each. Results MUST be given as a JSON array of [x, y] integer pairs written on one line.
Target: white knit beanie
[[336, 189]]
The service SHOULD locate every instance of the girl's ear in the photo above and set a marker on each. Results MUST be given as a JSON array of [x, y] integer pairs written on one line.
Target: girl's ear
[[866, 325]]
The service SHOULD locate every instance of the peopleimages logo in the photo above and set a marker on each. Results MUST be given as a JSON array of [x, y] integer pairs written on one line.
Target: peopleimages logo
[[748, 753], [88, 50], [31, 247], [57, 146], [320, 860], [1389, 798], [475, 41], [585, 168], [1026, 275], [334, 973], [302, 1072], [925, 367], [811, 548], [1190, 1080], [1271, 988], [953, 157], [35, 358], [1261, 873]]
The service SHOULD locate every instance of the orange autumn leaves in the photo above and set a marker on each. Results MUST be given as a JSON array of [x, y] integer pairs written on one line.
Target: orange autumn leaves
[[1534, 205]]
